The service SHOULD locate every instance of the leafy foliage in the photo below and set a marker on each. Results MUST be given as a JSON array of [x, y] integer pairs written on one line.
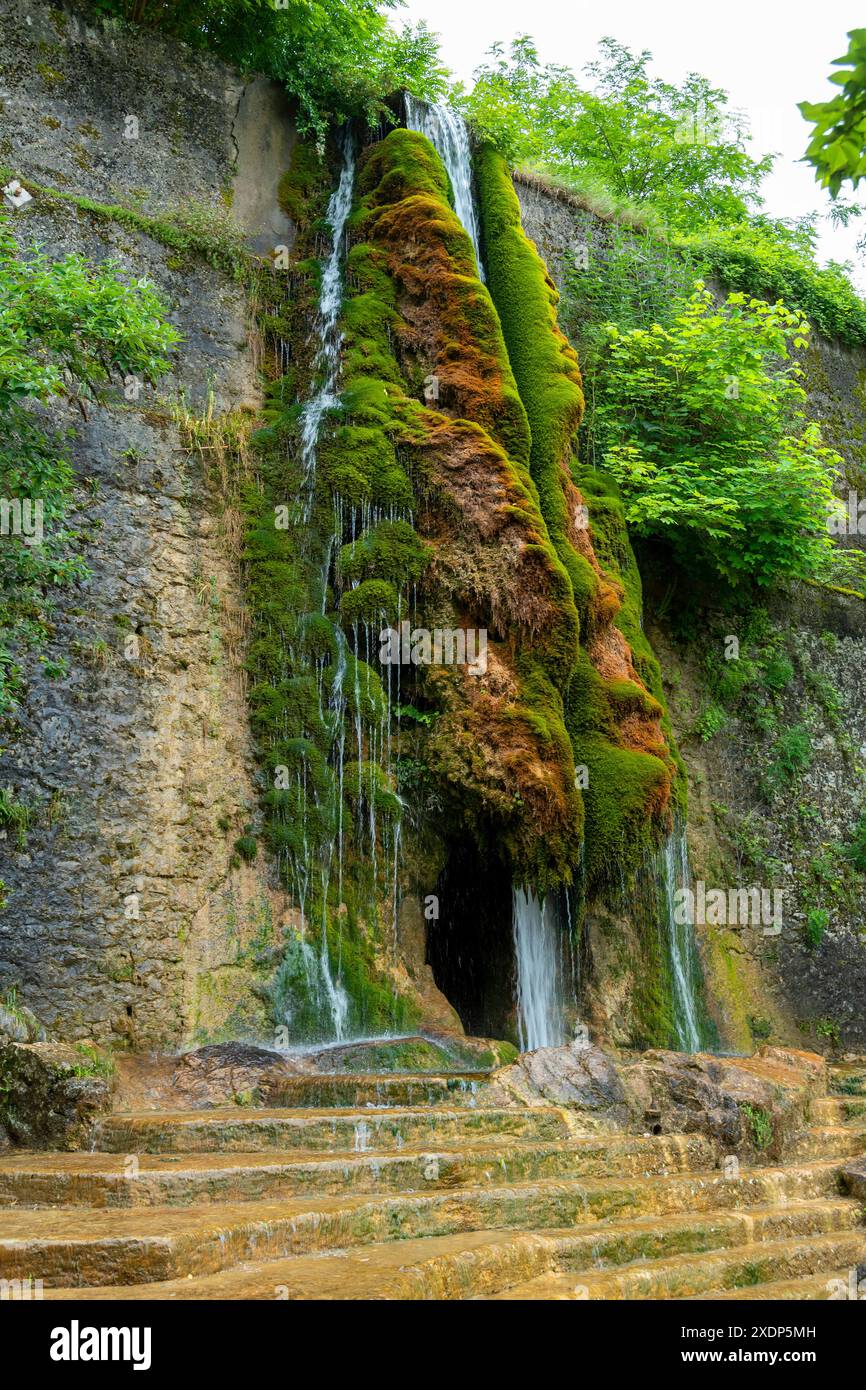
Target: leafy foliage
[[792, 755], [837, 148], [700, 422], [679, 148], [775, 260], [673, 159], [336, 58], [817, 922], [856, 850], [65, 328]]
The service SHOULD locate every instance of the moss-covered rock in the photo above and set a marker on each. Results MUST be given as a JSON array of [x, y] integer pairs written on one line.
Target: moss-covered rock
[[614, 705], [428, 391], [50, 1093]]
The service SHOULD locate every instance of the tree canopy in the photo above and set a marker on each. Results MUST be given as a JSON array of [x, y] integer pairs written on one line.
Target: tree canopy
[[681, 149], [337, 58], [701, 421]]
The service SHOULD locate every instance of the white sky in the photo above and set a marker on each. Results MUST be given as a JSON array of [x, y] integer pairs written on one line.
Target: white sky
[[767, 54]]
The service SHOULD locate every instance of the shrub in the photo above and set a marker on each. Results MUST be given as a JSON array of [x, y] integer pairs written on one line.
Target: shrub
[[337, 58], [760, 1124], [247, 848], [792, 755], [700, 421]]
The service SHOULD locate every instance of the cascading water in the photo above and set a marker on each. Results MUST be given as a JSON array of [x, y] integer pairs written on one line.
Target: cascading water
[[673, 873], [327, 360], [322, 985], [354, 710], [541, 971], [448, 134], [539, 938]]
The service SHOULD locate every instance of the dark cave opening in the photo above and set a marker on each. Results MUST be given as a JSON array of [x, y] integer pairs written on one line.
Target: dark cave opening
[[470, 946]]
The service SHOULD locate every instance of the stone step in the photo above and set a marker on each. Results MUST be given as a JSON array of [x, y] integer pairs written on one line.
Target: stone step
[[816, 1287], [830, 1141], [377, 1089], [87, 1246], [473, 1264], [838, 1110], [435, 1267], [340, 1130], [848, 1079], [654, 1237], [112, 1180], [683, 1276]]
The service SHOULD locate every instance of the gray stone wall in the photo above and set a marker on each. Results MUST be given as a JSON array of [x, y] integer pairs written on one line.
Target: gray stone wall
[[128, 909]]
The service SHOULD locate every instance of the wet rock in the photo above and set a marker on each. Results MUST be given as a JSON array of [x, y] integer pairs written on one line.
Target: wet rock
[[752, 1106], [44, 1102], [222, 1073], [854, 1179], [578, 1076], [673, 1094]]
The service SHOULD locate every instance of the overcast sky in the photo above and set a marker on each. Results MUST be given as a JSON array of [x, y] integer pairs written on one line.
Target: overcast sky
[[767, 54]]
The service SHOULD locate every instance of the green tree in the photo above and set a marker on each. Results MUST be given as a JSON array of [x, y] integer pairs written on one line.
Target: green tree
[[701, 423], [837, 148], [336, 58], [679, 148]]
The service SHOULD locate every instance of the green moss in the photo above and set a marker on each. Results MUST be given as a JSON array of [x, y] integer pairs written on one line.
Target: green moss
[[392, 550], [301, 193], [374, 603], [191, 229], [544, 364], [410, 246], [622, 784], [299, 993], [631, 789]]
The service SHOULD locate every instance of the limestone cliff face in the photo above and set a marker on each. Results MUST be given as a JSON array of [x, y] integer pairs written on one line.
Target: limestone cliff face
[[149, 901], [128, 907]]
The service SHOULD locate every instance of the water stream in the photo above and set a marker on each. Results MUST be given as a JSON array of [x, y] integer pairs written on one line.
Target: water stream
[[352, 706], [673, 873], [315, 864], [448, 133], [327, 359], [542, 971]]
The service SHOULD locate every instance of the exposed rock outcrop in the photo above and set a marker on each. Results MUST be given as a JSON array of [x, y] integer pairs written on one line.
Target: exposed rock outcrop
[[48, 1094], [747, 1106]]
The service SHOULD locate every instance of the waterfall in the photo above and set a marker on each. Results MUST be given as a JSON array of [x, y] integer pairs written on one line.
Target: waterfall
[[447, 132], [332, 702], [672, 870], [327, 361], [354, 711], [538, 948]]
